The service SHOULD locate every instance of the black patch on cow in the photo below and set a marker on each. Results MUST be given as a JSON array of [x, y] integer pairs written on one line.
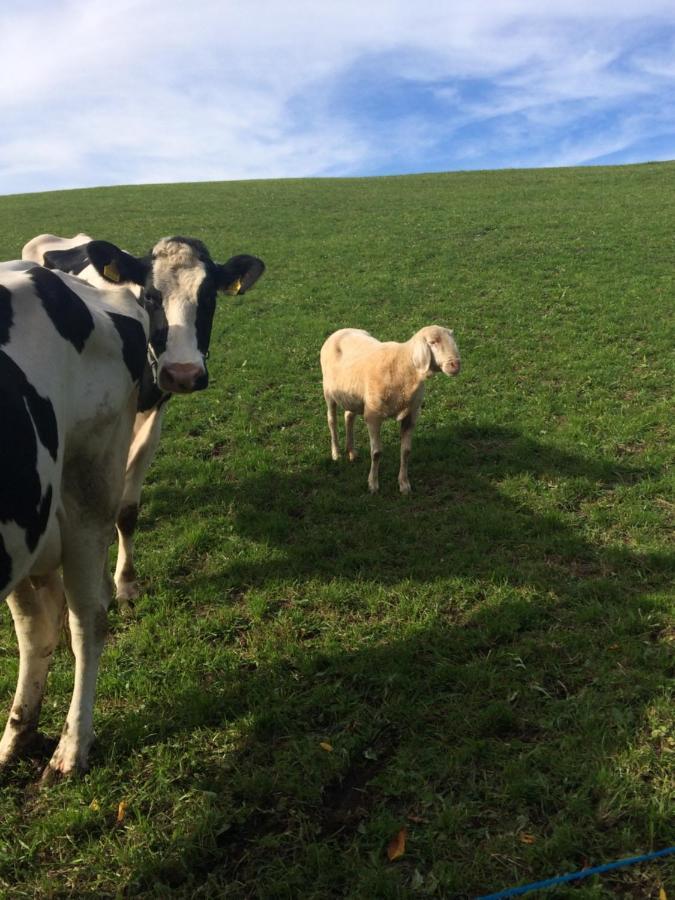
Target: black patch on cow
[[74, 260], [5, 566], [42, 413], [134, 343], [158, 340], [23, 413], [159, 327], [127, 519], [6, 316], [69, 313], [37, 526], [206, 307], [149, 395]]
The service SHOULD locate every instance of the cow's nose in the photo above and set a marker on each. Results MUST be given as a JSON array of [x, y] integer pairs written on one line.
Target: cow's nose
[[181, 378]]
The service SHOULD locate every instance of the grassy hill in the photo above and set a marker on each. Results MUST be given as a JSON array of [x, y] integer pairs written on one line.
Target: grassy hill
[[487, 663]]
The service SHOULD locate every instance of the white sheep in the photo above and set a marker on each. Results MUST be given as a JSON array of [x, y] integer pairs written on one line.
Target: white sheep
[[382, 381]]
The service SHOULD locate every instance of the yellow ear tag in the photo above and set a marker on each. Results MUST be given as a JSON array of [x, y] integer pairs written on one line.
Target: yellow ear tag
[[110, 271], [234, 288]]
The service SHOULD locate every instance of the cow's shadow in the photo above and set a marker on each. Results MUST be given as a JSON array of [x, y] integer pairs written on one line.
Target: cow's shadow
[[565, 587]]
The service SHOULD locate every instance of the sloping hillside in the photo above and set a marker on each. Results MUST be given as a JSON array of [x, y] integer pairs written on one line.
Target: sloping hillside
[[487, 663]]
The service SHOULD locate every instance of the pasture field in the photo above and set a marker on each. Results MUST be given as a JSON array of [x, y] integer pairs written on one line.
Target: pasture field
[[487, 663]]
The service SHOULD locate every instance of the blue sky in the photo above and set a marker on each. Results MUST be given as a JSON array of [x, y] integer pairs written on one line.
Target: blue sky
[[136, 91]]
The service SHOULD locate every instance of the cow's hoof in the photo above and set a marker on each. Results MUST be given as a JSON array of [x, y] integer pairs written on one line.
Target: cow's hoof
[[126, 607], [30, 744], [127, 590], [50, 776], [56, 771], [125, 593], [69, 758]]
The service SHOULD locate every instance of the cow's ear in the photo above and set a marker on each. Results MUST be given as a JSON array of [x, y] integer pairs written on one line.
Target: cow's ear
[[117, 266], [239, 273]]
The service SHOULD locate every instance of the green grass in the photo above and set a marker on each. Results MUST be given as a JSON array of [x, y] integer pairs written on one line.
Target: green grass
[[490, 660]]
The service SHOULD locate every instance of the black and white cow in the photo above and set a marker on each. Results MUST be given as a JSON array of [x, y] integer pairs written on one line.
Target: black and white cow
[[71, 362], [177, 284]]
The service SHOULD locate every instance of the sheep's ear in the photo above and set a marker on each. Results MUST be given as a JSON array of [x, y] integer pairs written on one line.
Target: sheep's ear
[[239, 273], [421, 355]]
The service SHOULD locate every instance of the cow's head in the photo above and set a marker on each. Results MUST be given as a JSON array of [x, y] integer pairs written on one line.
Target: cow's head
[[179, 282]]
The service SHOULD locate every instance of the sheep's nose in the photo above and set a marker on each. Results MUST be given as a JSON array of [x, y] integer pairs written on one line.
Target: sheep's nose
[[182, 378], [452, 367]]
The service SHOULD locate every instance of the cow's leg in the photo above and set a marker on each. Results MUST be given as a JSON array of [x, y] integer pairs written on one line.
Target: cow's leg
[[88, 587], [349, 435], [88, 595], [331, 411], [407, 426], [374, 423], [37, 609], [147, 431]]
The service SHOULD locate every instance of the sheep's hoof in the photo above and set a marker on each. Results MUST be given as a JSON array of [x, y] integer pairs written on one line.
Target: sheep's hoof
[[373, 488], [335, 455], [405, 487], [353, 455]]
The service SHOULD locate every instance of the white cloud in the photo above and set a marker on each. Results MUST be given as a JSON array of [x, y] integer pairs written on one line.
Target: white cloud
[[142, 90]]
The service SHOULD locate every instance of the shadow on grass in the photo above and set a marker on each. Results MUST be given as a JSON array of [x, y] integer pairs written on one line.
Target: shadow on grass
[[506, 715], [473, 514]]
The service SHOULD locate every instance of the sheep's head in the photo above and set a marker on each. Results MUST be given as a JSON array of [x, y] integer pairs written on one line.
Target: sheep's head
[[435, 350]]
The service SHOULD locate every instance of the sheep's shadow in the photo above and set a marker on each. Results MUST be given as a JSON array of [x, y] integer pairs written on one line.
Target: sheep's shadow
[[487, 502]]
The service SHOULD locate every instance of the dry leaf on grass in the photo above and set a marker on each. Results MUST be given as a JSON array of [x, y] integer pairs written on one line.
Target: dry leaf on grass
[[396, 846]]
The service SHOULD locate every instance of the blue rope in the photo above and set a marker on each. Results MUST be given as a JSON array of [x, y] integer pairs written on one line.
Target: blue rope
[[561, 879]]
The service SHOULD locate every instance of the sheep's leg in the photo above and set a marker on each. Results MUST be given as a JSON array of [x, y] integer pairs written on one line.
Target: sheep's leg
[[37, 608], [349, 431], [331, 408], [374, 423], [407, 426]]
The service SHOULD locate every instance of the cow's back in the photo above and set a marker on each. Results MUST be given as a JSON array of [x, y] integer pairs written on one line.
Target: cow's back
[[36, 248], [66, 255]]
